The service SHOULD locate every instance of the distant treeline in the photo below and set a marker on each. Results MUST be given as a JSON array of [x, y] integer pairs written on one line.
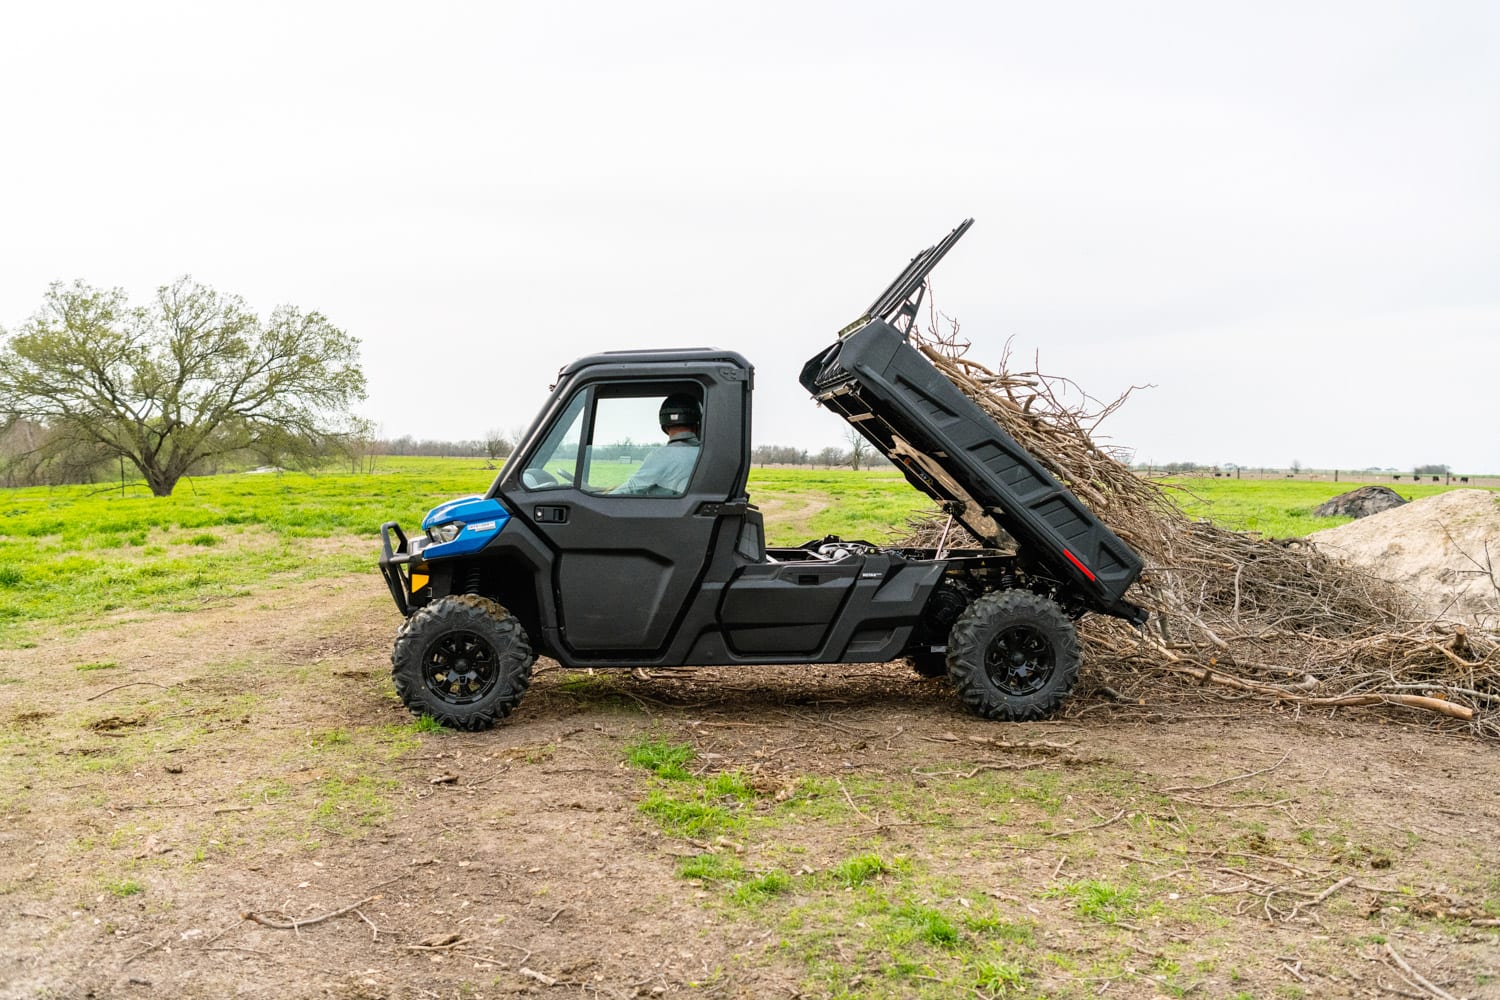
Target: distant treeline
[[24, 463], [1294, 469], [406, 446], [501, 447], [35, 454], [827, 458]]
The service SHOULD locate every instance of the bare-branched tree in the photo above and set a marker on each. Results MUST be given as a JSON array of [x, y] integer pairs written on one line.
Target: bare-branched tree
[[859, 449], [192, 376]]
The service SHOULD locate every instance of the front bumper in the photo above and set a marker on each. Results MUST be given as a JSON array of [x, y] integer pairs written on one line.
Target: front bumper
[[404, 570]]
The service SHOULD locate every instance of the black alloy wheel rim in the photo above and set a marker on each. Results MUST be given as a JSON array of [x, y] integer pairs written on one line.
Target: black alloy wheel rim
[[1020, 660], [460, 668]]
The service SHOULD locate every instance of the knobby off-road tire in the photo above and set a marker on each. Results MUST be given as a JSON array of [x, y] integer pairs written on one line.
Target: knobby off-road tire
[[1013, 655], [463, 660]]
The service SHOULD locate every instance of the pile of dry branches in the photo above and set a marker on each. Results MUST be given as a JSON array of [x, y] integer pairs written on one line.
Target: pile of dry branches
[[1266, 617]]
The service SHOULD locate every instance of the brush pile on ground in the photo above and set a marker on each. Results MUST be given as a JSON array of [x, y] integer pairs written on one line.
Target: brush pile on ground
[[1274, 618]]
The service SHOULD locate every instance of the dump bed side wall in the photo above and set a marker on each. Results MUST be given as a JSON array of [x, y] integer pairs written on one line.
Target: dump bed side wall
[[896, 398]]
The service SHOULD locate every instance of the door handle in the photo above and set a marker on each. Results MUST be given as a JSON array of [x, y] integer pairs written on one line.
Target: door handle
[[552, 515]]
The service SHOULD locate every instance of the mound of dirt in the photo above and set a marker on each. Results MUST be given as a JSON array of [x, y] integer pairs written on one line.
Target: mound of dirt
[[1444, 549], [1362, 502]]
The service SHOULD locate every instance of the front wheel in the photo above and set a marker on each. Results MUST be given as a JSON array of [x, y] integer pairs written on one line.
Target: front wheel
[[464, 660], [1013, 655]]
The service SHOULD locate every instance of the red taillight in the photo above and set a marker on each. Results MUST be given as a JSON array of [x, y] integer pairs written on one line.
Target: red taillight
[[1084, 569]]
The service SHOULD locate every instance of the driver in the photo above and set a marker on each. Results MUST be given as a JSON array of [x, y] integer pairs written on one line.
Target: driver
[[666, 471]]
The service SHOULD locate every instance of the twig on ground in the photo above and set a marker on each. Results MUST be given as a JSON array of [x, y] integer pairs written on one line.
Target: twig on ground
[[1225, 781], [221, 933], [248, 951], [1233, 805], [146, 951], [1040, 745], [457, 942], [858, 812], [117, 687], [292, 925], [1320, 897], [1422, 980], [1092, 826], [974, 770]]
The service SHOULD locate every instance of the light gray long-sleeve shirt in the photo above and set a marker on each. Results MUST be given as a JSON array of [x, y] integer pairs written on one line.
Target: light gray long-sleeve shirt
[[666, 471]]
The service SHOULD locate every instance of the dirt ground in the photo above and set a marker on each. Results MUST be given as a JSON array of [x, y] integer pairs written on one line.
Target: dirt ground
[[181, 790]]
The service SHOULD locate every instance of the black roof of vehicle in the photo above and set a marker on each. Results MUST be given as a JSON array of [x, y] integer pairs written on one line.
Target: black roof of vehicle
[[664, 355]]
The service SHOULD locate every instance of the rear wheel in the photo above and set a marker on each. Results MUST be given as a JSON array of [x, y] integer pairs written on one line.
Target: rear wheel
[[464, 660], [1013, 655]]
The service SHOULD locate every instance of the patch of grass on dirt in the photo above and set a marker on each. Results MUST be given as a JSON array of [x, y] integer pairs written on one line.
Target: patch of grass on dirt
[[893, 941], [346, 806], [99, 665], [711, 868], [690, 815], [860, 869], [756, 890], [1099, 900], [684, 804], [870, 924], [123, 887], [922, 923], [663, 759], [427, 724]]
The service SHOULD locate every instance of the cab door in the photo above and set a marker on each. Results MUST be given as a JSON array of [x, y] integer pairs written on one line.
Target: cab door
[[626, 567]]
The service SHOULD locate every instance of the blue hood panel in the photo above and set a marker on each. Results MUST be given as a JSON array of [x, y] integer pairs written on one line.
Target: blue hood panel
[[482, 520]]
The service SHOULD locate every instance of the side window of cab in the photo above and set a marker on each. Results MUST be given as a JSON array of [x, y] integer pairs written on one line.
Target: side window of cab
[[554, 465], [622, 440]]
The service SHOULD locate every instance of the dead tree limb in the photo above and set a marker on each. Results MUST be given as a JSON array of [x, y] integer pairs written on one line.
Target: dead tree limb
[[292, 925]]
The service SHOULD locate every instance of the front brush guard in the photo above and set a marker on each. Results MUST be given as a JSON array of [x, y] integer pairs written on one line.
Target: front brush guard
[[395, 565]]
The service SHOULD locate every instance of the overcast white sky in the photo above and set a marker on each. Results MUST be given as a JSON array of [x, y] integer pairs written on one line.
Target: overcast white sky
[[1283, 216]]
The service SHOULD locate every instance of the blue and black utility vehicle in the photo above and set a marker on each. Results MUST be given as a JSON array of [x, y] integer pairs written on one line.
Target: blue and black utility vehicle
[[603, 544]]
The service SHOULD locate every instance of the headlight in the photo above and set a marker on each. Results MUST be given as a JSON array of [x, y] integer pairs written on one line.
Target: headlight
[[440, 533]]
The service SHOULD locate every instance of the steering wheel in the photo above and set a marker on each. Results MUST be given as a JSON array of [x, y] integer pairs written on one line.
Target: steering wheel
[[538, 477]]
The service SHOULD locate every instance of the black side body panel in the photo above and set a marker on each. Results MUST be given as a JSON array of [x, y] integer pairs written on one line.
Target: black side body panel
[[951, 450]]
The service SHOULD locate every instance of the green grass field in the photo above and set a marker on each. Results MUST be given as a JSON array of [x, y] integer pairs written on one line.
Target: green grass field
[[69, 554], [1280, 508]]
